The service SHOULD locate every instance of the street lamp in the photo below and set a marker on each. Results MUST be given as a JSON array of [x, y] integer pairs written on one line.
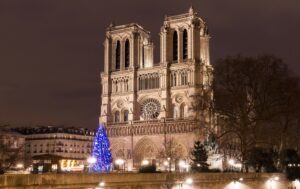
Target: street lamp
[[91, 161], [271, 180], [231, 162], [101, 185], [120, 163], [183, 166], [145, 162], [189, 181]]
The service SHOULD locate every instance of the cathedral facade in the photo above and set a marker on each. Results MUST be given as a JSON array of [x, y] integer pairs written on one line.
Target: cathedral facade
[[153, 112]]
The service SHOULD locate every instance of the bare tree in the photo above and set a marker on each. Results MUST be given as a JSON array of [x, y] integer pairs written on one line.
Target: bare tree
[[171, 151], [250, 94], [9, 154]]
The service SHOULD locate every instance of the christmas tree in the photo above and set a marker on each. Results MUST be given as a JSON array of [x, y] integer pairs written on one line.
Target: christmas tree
[[199, 158], [101, 151]]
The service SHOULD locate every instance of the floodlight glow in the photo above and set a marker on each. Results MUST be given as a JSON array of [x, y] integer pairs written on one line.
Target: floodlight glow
[[145, 162], [91, 160], [181, 163], [20, 165], [119, 161], [166, 163], [231, 162], [101, 184], [189, 181]]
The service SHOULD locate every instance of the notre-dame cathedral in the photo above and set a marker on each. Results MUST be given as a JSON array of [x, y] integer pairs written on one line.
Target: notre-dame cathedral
[[153, 112]]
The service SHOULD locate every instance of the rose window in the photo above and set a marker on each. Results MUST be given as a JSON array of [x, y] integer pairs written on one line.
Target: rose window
[[150, 109]]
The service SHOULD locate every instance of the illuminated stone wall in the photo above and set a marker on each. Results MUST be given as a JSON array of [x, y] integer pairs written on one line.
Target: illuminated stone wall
[[147, 181]]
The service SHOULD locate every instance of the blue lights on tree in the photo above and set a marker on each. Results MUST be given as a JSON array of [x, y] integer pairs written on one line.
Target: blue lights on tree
[[101, 151]]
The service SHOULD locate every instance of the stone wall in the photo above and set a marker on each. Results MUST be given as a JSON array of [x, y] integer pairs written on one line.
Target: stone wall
[[145, 181]]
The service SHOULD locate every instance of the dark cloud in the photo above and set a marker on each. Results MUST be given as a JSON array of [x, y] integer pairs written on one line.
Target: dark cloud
[[51, 52]]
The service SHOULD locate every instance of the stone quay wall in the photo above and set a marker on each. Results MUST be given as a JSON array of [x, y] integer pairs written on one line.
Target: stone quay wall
[[147, 181]]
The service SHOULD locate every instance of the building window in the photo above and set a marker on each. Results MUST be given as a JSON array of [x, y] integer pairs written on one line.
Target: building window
[[126, 85], [184, 78], [175, 46], [143, 57], [185, 45], [173, 79], [117, 117], [127, 54], [149, 81], [175, 112], [118, 54], [126, 115], [182, 111]]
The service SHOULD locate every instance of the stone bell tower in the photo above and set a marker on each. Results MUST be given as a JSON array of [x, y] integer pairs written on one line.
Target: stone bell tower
[[126, 49], [184, 49]]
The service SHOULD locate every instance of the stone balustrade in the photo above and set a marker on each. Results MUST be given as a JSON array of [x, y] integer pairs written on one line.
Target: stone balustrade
[[150, 127], [147, 181]]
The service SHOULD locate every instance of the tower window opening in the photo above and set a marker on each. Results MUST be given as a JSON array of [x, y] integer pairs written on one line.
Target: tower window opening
[[127, 54], [185, 45], [143, 57], [126, 115], [117, 117], [175, 46], [118, 54]]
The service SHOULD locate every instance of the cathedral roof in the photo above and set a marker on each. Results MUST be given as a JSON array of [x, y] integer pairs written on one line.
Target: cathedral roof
[[190, 14], [133, 26]]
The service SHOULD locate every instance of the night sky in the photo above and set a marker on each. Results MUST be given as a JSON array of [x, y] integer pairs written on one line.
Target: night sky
[[51, 52]]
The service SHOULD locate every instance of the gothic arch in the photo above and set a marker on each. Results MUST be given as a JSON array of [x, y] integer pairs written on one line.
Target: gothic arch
[[119, 149], [184, 44], [127, 54], [182, 112], [175, 46], [145, 149], [118, 55]]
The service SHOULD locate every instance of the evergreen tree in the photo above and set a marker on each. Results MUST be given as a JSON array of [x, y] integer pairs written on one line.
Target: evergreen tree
[[101, 151], [199, 158]]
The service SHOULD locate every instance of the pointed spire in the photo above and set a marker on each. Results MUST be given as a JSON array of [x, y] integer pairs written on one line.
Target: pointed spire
[[191, 10], [112, 24]]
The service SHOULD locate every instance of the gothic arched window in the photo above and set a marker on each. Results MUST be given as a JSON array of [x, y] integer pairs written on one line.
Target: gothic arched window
[[117, 117], [184, 45], [182, 111], [126, 112], [127, 53], [175, 46], [175, 112], [174, 79], [118, 54], [184, 78]]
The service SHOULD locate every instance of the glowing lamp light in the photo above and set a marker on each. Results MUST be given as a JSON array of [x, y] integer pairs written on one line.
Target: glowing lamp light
[[20, 165], [276, 178], [91, 160], [181, 164], [145, 162], [231, 162], [241, 179], [119, 161], [239, 165], [166, 163], [189, 181], [101, 184]]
